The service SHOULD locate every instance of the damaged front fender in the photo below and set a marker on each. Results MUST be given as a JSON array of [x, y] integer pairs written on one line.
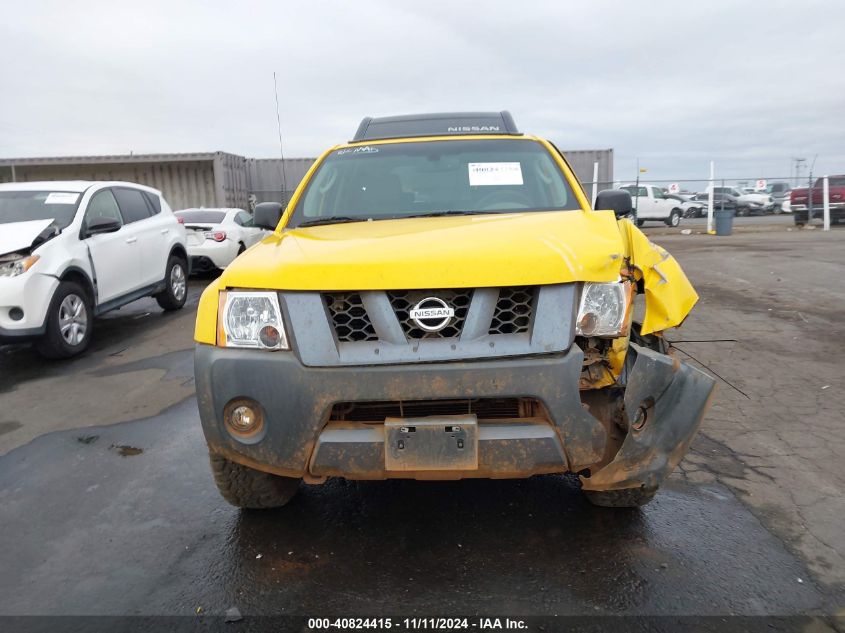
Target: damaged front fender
[[673, 398], [669, 296]]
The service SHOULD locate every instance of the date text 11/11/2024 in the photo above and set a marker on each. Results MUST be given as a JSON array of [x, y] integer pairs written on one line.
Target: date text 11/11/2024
[[416, 624]]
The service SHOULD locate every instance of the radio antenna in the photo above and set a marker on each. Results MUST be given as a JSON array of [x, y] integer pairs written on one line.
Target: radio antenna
[[282, 171]]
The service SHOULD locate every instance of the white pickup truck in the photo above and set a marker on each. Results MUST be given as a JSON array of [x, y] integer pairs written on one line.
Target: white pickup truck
[[652, 204]]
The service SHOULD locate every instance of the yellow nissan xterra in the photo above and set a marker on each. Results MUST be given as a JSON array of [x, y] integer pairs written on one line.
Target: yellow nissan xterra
[[439, 301]]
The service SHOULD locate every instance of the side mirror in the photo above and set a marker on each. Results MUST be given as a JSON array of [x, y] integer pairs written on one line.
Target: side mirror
[[615, 200], [98, 226], [267, 215]]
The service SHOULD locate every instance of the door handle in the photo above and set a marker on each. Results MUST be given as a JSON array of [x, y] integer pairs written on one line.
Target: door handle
[[165, 231], [131, 240]]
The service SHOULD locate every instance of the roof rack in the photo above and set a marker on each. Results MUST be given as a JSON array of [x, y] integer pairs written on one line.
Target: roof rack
[[440, 124]]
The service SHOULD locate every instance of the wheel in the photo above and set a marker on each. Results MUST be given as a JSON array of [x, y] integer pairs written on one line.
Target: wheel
[[246, 487], [674, 218], [69, 322], [176, 285], [626, 498], [799, 224], [741, 212], [640, 222]]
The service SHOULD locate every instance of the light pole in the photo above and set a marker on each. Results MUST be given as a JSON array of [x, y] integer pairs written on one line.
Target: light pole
[[798, 163]]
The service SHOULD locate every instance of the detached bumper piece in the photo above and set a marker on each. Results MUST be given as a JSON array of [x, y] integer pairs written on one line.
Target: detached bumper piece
[[668, 399]]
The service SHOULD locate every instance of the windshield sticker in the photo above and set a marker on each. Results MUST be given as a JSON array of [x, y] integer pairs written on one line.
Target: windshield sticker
[[61, 197], [486, 174], [367, 149]]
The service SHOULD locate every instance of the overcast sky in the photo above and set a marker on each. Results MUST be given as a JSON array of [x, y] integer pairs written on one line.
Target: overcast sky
[[677, 84]]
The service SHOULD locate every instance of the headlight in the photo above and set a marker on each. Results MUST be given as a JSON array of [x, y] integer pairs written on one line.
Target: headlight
[[16, 265], [604, 309], [252, 319]]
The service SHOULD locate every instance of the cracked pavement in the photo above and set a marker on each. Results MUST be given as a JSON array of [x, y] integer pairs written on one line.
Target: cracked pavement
[[781, 448]]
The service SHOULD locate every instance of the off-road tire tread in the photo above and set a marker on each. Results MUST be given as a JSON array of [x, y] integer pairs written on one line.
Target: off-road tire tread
[[165, 298], [248, 488], [627, 498]]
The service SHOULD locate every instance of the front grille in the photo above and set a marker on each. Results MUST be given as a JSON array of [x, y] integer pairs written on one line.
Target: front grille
[[483, 408], [349, 317], [513, 310], [403, 300]]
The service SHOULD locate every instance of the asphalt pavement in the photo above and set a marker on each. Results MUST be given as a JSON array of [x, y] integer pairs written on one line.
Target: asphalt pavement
[[108, 506]]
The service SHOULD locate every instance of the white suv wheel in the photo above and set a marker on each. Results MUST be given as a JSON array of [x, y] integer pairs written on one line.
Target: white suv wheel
[[73, 319], [178, 283]]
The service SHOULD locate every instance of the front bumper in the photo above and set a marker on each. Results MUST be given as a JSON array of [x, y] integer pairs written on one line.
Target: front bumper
[[800, 214], [299, 441], [30, 293]]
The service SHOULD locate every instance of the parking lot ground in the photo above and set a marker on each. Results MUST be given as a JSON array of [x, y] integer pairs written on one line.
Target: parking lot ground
[[108, 506]]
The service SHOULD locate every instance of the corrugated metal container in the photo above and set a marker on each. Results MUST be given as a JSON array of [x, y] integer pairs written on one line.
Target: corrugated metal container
[[186, 180], [267, 176], [582, 161]]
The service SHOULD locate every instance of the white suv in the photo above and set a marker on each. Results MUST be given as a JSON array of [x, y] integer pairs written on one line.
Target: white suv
[[70, 251]]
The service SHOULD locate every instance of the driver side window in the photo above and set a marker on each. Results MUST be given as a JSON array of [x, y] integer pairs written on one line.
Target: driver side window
[[658, 195], [102, 205]]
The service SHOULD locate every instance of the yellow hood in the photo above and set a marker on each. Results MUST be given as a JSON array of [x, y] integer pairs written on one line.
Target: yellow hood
[[459, 252], [445, 252]]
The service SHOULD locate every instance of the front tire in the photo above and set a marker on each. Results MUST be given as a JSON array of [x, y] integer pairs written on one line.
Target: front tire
[[674, 218], [175, 292], [69, 322], [248, 488], [640, 222], [626, 498]]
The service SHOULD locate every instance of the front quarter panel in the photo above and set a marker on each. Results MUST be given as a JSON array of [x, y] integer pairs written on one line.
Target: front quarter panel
[[205, 330], [669, 295]]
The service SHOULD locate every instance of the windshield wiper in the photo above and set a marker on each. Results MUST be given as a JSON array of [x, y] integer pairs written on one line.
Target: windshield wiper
[[437, 214], [332, 219]]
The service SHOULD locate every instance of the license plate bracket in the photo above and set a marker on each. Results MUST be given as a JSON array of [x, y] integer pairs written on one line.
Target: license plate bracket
[[446, 442]]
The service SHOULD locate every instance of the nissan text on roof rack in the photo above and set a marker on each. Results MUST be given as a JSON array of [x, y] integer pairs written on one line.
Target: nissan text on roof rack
[[439, 301], [70, 251]]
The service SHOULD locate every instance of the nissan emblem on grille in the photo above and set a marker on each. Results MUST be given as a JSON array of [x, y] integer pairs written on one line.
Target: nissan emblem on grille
[[432, 314]]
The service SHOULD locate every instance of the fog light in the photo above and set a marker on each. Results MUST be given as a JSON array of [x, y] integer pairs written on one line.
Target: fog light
[[16, 314], [269, 337], [244, 418], [588, 323]]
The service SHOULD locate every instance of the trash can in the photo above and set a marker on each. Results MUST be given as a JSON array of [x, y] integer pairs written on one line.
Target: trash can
[[724, 221]]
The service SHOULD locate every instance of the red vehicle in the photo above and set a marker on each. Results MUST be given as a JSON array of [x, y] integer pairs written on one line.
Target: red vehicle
[[798, 201]]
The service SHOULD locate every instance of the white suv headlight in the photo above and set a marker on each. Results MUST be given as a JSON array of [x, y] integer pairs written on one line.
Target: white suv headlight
[[253, 319], [14, 265], [603, 309]]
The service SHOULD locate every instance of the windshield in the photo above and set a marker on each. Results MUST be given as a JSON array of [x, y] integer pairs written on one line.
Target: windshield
[[399, 180], [201, 217], [24, 206]]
